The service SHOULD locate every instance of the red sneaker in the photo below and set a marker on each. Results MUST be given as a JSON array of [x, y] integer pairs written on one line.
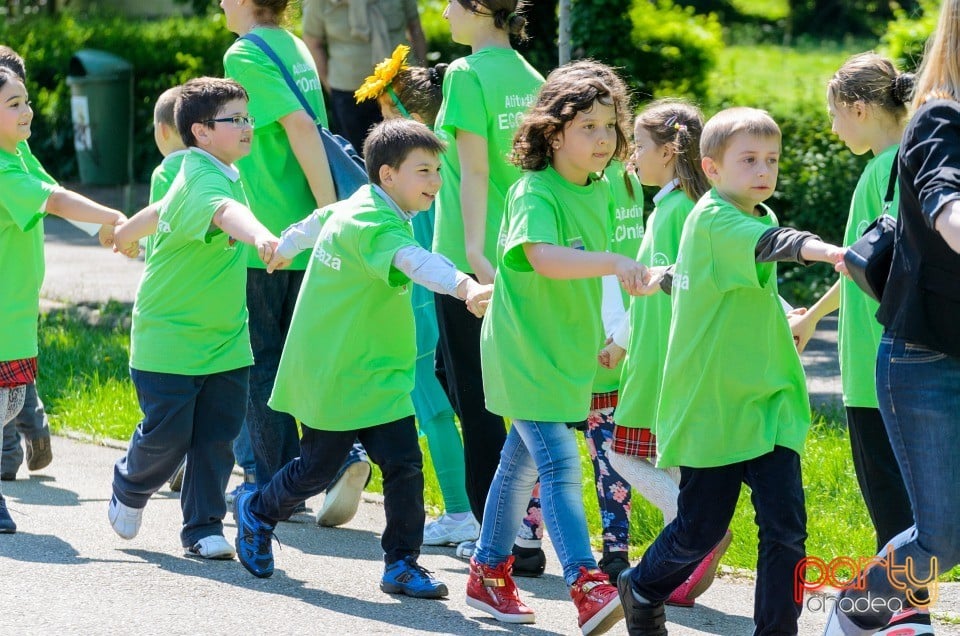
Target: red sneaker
[[493, 591], [598, 603], [702, 577]]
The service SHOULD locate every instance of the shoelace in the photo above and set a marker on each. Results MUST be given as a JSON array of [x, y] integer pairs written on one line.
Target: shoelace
[[416, 567], [260, 538]]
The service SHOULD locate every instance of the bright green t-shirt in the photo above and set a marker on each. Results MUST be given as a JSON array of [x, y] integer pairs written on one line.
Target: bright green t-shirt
[[348, 362], [627, 233], [733, 387], [487, 94], [24, 189], [539, 338], [278, 191], [858, 335], [649, 317], [160, 182], [190, 314]]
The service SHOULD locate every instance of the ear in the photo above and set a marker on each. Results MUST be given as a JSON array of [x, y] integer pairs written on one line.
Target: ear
[[710, 168], [165, 131], [666, 153], [201, 133], [386, 174], [860, 109]]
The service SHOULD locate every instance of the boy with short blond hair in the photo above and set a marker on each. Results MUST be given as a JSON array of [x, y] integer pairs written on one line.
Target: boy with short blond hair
[[189, 344], [355, 300], [734, 406]]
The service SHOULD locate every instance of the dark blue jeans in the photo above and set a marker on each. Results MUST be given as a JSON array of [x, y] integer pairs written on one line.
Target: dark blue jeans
[[30, 422], [270, 301], [707, 501], [919, 391], [194, 415], [392, 446]]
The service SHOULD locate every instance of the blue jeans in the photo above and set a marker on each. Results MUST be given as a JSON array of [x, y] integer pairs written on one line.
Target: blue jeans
[[270, 301], [547, 449], [193, 415], [243, 451], [919, 391], [707, 501], [30, 422]]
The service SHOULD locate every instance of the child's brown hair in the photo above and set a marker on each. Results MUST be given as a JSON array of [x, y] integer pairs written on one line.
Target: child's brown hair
[[678, 125]]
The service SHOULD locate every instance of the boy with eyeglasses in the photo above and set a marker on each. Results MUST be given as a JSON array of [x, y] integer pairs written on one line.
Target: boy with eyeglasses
[[189, 345]]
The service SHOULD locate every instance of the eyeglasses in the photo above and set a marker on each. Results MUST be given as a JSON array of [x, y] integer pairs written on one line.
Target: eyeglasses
[[237, 121]]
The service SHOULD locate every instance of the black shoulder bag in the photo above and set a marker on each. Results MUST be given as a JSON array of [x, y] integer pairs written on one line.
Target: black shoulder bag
[[868, 260]]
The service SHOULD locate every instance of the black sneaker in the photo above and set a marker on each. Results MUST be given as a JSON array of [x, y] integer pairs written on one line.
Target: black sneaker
[[39, 453], [7, 526], [643, 619], [528, 562], [613, 563]]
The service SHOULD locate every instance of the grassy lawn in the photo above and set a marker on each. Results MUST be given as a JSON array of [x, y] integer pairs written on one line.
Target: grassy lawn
[[86, 387]]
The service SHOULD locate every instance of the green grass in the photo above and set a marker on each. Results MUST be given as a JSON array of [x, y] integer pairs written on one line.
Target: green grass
[[86, 387]]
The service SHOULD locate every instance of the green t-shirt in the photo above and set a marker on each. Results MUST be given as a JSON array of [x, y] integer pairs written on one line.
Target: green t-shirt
[[348, 362], [733, 387], [278, 190], [649, 317], [24, 189], [625, 240], [190, 314], [539, 338], [486, 94], [160, 182], [858, 336]]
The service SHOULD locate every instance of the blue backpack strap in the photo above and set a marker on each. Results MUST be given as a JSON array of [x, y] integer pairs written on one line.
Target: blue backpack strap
[[260, 42]]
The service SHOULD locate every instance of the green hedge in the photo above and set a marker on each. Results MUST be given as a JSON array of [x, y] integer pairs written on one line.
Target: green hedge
[[907, 35], [163, 53]]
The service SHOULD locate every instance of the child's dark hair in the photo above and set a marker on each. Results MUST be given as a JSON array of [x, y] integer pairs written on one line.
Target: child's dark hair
[[163, 110], [420, 90], [677, 125], [6, 76], [270, 11], [505, 13], [872, 79], [200, 101], [568, 90], [392, 140], [9, 59]]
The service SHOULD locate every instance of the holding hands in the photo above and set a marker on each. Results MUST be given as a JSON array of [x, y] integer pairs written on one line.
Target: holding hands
[[475, 296], [611, 355]]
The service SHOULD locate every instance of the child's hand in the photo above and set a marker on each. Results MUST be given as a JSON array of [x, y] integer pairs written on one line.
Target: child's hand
[[130, 250], [840, 265], [278, 262], [633, 276], [105, 235], [266, 247], [478, 297], [611, 355], [802, 325]]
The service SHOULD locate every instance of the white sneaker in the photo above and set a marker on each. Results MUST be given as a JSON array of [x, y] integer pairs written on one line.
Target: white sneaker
[[343, 498], [212, 547], [466, 549], [447, 530], [124, 520]]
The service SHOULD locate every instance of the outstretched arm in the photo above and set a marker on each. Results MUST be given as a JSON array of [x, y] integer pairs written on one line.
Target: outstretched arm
[[239, 222], [76, 207]]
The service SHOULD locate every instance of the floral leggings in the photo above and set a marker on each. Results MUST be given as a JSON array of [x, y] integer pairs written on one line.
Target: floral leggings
[[613, 492]]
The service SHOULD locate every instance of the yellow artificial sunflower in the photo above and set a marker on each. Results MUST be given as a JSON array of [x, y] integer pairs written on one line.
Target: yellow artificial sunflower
[[383, 74]]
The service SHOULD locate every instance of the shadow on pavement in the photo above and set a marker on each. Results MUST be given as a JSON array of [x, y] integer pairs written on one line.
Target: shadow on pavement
[[711, 621], [44, 548]]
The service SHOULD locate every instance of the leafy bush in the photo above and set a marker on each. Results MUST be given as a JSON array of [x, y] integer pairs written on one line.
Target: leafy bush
[[907, 35], [163, 53], [842, 18], [671, 50]]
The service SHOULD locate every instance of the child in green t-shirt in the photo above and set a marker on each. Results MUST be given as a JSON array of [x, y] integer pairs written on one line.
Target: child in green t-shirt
[[170, 146], [733, 405], [414, 92], [355, 301], [27, 194], [538, 339], [867, 100], [189, 345]]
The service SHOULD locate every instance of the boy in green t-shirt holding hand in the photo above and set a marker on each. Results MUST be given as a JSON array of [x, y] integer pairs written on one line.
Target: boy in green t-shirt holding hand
[[734, 406], [189, 345], [355, 301]]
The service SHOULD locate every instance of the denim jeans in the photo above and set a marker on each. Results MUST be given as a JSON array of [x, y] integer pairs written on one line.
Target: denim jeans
[[193, 415], [392, 446], [30, 422], [243, 451], [707, 501], [919, 391], [547, 449], [270, 301]]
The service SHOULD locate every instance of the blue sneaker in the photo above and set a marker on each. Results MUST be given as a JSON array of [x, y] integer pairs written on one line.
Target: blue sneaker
[[244, 486], [406, 576], [253, 538]]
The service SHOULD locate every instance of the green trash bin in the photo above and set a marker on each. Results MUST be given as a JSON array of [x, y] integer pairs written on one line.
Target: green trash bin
[[101, 104]]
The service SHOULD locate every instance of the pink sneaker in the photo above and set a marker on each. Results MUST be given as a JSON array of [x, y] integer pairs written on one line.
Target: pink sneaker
[[701, 579]]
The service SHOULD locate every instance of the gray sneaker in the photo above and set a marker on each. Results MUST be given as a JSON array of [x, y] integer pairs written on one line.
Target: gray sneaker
[[39, 453]]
